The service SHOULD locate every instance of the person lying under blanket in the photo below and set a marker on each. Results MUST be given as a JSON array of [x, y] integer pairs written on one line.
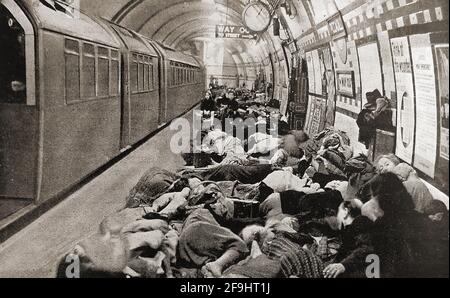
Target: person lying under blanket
[[206, 243]]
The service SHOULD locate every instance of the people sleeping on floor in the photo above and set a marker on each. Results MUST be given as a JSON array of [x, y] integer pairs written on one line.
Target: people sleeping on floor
[[313, 207]]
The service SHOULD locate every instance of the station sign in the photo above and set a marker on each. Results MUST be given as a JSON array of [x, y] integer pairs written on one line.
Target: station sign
[[239, 32]]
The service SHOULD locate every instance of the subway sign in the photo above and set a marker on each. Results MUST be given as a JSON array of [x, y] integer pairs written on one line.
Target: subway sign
[[239, 32]]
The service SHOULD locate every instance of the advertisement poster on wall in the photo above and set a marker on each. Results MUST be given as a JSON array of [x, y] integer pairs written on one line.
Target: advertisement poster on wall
[[426, 104], [316, 116], [331, 87], [369, 61], [405, 98], [318, 73], [310, 112], [443, 77], [310, 64]]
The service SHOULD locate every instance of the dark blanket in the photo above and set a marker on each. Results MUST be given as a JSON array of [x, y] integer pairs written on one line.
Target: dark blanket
[[315, 205], [323, 179], [153, 184], [244, 174]]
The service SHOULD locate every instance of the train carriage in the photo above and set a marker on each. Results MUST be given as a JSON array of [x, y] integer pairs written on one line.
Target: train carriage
[[75, 92], [140, 88]]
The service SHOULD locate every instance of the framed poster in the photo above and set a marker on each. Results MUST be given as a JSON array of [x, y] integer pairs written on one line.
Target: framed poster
[[405, 98], [346, 83], [336, 26], [316, 116], [426, 104]]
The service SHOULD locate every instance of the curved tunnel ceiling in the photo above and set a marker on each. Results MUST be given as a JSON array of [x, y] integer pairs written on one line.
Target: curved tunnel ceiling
[[177, 23]]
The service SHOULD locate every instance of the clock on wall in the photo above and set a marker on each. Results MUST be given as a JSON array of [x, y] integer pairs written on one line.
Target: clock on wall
[[257, 16]]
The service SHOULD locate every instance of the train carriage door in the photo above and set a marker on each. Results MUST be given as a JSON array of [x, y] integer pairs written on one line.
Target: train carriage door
[[19, 116], [125, 60], [125, 101], [162, 85]]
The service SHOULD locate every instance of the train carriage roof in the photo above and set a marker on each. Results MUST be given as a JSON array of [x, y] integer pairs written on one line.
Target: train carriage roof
[[177, 56], [68, 21], [134, 41]]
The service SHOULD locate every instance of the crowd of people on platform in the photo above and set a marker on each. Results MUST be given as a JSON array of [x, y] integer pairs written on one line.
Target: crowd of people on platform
[[272, 203]]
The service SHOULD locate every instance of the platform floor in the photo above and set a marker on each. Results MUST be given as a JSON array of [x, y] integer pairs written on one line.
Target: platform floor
[[36, 250]]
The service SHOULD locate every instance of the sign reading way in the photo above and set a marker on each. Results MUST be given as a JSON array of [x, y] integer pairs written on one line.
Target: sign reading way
[[228, 31]]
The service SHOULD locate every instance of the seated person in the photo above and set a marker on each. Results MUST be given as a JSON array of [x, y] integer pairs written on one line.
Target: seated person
[[208, 104], [206, 243], [406, 241]]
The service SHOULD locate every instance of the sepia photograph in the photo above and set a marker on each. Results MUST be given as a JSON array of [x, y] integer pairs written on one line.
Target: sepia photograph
[[223, 144]]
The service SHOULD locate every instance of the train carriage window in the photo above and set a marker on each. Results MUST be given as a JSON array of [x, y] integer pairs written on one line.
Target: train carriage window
[[181, 76], [115, 78], [141, 74], [150, 77], [134, 74], [72, 70], [16, 56], [146, 75], [88, 76], [103, 72], [173, 76]]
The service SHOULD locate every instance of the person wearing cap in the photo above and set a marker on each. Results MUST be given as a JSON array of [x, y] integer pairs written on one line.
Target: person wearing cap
[[375, 115]]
